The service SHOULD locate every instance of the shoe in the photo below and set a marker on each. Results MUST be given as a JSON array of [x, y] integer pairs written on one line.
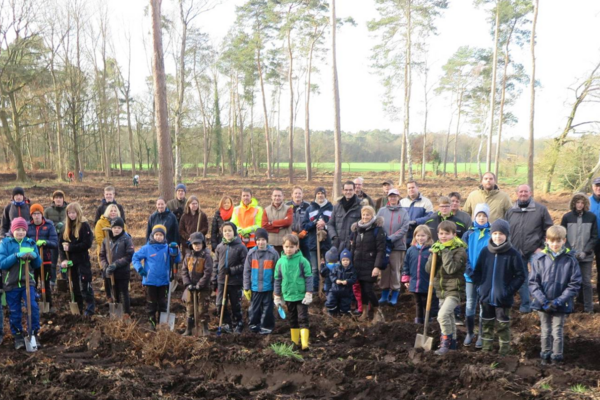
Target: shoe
[[453, 344], [239, 328], [364, 316], [254, 328], [304, 334], [265, 331], [446, 341], [385, 293], [19, 341], [470, 328], [378, 317], [295, 332], [225, 328], [419, 321], [394, 297], [459, 320], [557, 360], [357, 311], [546, 358], [190, 326]]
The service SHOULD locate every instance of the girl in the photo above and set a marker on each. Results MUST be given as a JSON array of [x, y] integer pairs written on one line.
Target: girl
[[75, 242], [192, 220], [222, 215], [162, 216], [101, 232]]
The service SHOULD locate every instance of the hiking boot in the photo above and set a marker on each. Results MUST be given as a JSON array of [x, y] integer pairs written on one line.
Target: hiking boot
[[190, 326], [239, 328], [378, 317], [445, 342], [385, 293], [470, 328], [394, 297], [19, 341]]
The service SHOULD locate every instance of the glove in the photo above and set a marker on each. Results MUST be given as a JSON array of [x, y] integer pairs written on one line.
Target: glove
[[111, 268], [581, 255], [278, 302], [248, 294], [227, 270], [198, 287], [69, 265], [59, 226], [143, 272], [40, 243], [321, 235], [244, 232], [556, 304], [307, 298], [302, 234], [437, 247], [22, 253], [173, 252], [191, 288], [173, 245], [30, 256]]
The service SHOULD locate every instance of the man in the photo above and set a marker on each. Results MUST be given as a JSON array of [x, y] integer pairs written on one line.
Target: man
[[345, 213], [417, 206], [489, 193], [177, 205], [595, 208], [381, 202], [57, 213], [18, 207], [109, 198], [247, 217], [277, 220], [462, 216], [299, 207], [362, 196], [444, 214], [528, 221]]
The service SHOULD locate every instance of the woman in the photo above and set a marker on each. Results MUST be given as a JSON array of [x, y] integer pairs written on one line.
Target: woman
[[162, 216], [75, 242], [222, 215], [100, 234], [368, 250], [193, 220]]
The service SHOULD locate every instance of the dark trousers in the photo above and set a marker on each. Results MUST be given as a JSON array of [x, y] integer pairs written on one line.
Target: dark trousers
[[298, 314], [53, 267], [261, 311], [421, 305], [597, 254], [367, 294], [234, 294], [82, 289], [339, 301], [156, 298], [37, 273], [122, 294]]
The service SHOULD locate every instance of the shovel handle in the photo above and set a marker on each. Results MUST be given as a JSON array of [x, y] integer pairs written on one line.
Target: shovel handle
[[28, 293], [223, 301], [430, 292]]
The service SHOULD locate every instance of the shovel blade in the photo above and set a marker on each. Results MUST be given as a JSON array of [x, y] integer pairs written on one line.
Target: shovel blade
[[31, 344], [44, 307], [115, 310], [423, 342], [167, 319], [74, 307], [281, 312]]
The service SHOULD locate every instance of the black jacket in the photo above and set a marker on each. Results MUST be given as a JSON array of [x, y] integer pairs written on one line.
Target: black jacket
[[216, 235], [102, 208], [368, 249], [121, 250], [341, 221], [12, 211], [232, 254], [528, 227], [78, 249], [168, 219]]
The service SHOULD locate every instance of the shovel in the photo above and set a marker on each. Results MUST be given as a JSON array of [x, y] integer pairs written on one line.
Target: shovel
[[197, 332], [281, 312], [223, 305], [168, 318], [423, 341], [115, 309], [30, 342], [44, 305], [72, 305]]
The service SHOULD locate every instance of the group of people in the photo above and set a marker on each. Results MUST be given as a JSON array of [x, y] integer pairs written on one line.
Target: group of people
[[284, 253]]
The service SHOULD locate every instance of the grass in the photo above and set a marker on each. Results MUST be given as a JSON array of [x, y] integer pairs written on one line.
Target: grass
[[579, 388], [545, 386], [283, 350], [494, 365]]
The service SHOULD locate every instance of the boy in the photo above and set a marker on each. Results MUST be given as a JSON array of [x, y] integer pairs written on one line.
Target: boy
[[14, 251], [196, 274], [156, 271], [444, 214], [449, 281], [109, 198], [342, 278], [57, 213], [499, 273], [18, 207], [258, 283], [293, 282], [554, 282], [331, 261]]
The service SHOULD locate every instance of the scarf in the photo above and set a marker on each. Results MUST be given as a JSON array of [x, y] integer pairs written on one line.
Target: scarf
[[18, 203], [347, 204], [482, 228], [226, 214], [367, 225], [323, 204], [501, 248]]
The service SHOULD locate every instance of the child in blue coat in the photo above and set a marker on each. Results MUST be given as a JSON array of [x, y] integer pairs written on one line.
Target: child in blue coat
[[158, 258], [341, 279], [332, 260]]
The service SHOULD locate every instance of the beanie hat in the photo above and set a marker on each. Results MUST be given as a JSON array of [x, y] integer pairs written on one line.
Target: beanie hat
[[500, 225], [322, 190], [119, 222], [482, 208], [18, 190], [332, 255], [158, 228], [36, 208], [232, 225], [181, 186], [346, 254], [261, 234], [58, 193], [17, 223], [197, 237]]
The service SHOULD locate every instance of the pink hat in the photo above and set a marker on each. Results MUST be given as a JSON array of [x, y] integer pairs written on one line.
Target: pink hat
[[17, 223]]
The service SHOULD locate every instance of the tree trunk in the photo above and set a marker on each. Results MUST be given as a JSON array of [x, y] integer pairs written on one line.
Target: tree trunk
[[118, 121], [493, 90], [307, 156], [240, 144], [405, 154], [337, 130], [424, 161], [501, 116], [291, 130], [265, 113], [447, 145], [532, 100], [57, 104], [460, 100]]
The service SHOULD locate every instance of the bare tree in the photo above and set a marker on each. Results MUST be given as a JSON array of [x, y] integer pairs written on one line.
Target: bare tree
[[337, 130], [532, 99], [493, 90]]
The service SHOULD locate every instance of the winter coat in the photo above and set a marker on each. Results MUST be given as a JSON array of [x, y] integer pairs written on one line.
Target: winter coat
[[342, 274], [434, 220], [341, 221], [216, 233], [278, 222], [13, 268], [380, 203], [177, 207], [12, 211], [325, 272], [498, 201], [121, 254], [57, 215], [528, 227], [498, 275], [44, 231], [102, 208], [464, 218], [476, 240], [582, 230], [78, 249], [157, 263], [414, 269], [449, 278], [368, 249], [168, 219], [395, 224], [293, 277], [299, 210], [313, 214], [365, 199], [188, 224], [554, 279], [232, 254], [249, 218], [259, 268], [595, 208], [100, 233], [197, 269], [417, 208]]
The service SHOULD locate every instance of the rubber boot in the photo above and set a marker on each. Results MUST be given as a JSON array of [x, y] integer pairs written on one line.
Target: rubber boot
[[385, 293], [546, 357], [470, 327], [205, 331], [488, 334], [378, 317], [394, 297], [479, 343], [304, 334], [454, 342], [503, 331], [190, 326], [295, 336], [365, 314], [446, 341], [19, 341]]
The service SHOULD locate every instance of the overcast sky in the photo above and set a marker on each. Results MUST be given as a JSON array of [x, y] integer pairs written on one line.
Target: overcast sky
[[568, 47]]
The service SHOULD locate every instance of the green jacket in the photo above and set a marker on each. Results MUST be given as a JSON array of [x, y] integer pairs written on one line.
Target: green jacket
[[57, 215], [450, 267], [293, 277]]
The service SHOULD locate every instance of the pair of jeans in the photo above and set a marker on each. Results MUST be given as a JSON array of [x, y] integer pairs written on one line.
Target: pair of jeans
[[524, 289], [552, 325], [14, 299], [261, 311], [471, 306], [446, 317], [297, 314]]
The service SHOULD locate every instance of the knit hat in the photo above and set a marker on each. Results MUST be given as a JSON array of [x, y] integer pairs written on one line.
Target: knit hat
[[261, 234], [158, 228], [181, 186], [18, 190], [482, 208], [346, 254], [232, 225], [119, 222], [197, 237], [320, 189], [500, 225], [332, 255], [58, 193], [17, 223], [36, 208]]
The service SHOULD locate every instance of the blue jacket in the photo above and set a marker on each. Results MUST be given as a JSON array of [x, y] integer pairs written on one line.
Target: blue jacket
[[44, 231], [343, 274], [312, 215], [259, 268], [157, 263], [418, 208], [476, 240], [554, 279], [414, 269], [13, 269], [325, 271], [595, 208]]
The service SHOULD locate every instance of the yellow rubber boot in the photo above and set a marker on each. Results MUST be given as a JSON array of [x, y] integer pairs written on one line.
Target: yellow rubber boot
[[295, 336], [304, 334]]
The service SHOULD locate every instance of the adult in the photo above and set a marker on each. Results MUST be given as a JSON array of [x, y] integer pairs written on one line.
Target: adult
[[277, 220], [222, 215], [362, 196], [101, 233], [381, 202], [247, 217], [395, 224], [193, 220], [345, 213], [462, 216], [528, 222], [57, 213], [417, 206], [109, 198], [444, 214], [595, 208], [18, 207], [489, 193], [315, 224], [299, 207], [163, 216], [177, 205], [582, 235]]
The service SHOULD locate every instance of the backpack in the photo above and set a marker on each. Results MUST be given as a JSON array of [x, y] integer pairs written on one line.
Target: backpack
[[389, 246]]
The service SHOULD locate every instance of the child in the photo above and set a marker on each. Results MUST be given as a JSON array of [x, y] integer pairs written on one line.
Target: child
[[476, 239], [101, 232], [18, 207], [293, 282], [449, 280], [498, 274], [116, 254], [136, 181], [342, 278], [554, 282], [14, 251], [158, 258], [230, 257], [414, 276], [331, 261], [196, 274], [258, 283]]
